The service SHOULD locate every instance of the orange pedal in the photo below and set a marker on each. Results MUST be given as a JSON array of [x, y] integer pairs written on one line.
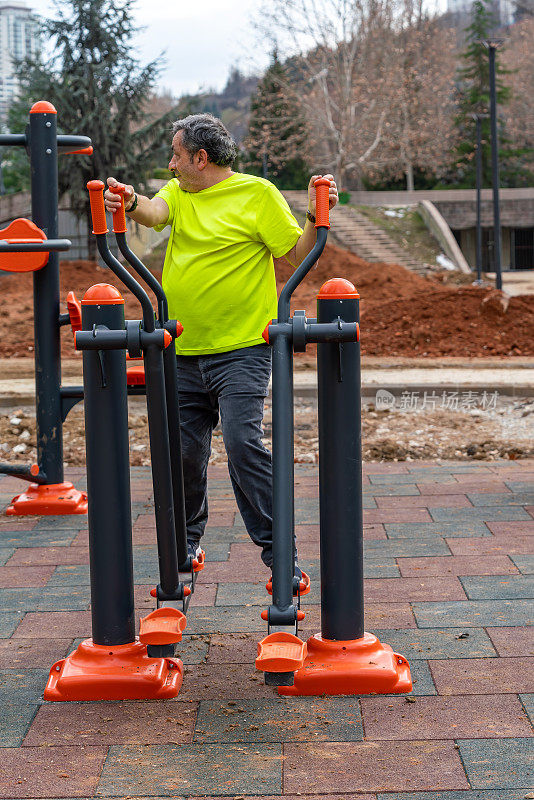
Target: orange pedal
[[49, 500], [162, 626], [199, 562], [281, 652], [135, 376], [304, 585]]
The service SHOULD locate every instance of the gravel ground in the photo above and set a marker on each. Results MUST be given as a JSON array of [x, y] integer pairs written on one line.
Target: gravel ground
[[502, 430]]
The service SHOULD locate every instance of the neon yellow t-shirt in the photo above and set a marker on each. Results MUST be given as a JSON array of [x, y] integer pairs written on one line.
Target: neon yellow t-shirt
[[218, 273]]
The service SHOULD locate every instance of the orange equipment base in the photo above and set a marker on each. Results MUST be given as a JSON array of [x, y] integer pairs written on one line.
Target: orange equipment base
[[49, 499], [280, 652], [119, 672], [359, 666]]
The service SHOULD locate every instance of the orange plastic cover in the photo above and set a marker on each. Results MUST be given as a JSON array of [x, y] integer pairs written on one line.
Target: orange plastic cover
[[48, 500], [116, 672], [75, 312], [338, 289], [102, 294], [281, 652], [42, 107], [322, 213], [98, 209], [22, 231], [135, 376], [304, 585], [162, 626]]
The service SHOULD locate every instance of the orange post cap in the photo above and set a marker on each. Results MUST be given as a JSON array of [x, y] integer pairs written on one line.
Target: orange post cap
[[321, 182], [102, 294], [34, 469], [42, 107], [265, 333], [338, 289], [179, 328], [95, 185], [167, 339]]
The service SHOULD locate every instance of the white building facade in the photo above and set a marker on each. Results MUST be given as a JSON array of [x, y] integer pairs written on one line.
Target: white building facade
[[18, 39]]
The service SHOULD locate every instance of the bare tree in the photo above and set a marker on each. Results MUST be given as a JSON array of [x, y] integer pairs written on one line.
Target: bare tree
[[519, 59], [339, 53]]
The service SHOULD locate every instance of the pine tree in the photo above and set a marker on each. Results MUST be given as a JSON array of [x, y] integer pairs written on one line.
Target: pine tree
[[474, 98], [276, 140], [99, 90]]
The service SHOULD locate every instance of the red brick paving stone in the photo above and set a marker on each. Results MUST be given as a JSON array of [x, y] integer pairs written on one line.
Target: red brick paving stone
[[522, 528], [483, 675], [32, 653], [38, 556], [103, 724], [11, 577], [413, 589], [81, 539], [298, 796], [425, 501], [455, 488], [393, 515], [54, 625], [456, 565], [387, 615], [222, 519], [374, 531], [51, 771], [238, 648], [18, 523], [517, 641], [463, 717], [530, 510], [224, 682], [235, 571], [391, 469], [512, 544], [327, 767], [306, 533]]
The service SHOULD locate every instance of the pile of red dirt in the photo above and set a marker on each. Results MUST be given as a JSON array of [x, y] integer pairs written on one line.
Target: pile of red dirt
[[402, 313]]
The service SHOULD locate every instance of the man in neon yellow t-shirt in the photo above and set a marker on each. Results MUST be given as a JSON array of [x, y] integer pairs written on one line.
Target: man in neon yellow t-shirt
[[219, 280]]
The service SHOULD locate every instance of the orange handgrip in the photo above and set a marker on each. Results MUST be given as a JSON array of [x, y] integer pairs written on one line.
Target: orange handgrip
[[322, 215], [98, 209], [119, 216], [83, 151]]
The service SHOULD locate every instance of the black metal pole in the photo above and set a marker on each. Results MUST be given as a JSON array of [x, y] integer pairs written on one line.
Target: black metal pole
[[340, 476], [44, 192], [492, 47], [108, 481], [478, 189]]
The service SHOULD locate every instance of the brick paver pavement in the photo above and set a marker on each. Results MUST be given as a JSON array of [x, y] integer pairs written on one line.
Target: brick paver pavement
[[449, 564]]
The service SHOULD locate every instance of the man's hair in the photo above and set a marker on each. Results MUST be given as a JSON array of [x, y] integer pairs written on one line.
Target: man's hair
[[206, 132]]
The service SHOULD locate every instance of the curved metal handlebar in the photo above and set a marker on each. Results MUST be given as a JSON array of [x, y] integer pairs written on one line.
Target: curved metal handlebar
[[34, 247]]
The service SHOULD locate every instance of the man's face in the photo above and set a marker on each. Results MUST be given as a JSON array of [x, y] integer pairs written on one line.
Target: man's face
[[182, 164]]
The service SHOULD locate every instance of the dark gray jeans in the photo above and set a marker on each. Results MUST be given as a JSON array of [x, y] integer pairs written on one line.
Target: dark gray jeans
[[234, 386]]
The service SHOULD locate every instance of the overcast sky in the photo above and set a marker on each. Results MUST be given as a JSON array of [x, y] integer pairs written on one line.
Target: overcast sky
[[202, 40]]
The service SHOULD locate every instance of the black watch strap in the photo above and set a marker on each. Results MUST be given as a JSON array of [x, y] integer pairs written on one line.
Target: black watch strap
[[310, 216]]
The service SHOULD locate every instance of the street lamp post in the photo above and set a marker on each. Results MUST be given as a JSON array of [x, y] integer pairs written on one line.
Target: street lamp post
[[492, 45], [478, 119]]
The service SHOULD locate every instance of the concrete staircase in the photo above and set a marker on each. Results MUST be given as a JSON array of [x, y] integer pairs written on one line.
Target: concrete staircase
[[353, 231]]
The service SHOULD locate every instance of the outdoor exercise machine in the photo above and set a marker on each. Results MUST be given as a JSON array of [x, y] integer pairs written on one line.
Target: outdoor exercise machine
[[27, 246], [343, 659], [114, 664]]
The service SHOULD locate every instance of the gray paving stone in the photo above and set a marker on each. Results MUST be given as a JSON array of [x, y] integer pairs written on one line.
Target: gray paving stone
[[498, 763], [190, 769], [519, 486], [474, 613], [408, 530], [403, 547], [75, 522], [485, 513], [382, 568], [49, 598], [35, 538], [512, 794], [498, 587], [437, 643], [15, 720], [255, 594], [227, 619], [528, 703], [5, 554], [22, 686], [503, 499], [8, 622], [77, 575], [524, 563], [221, 534], [216, 551], [295, 719]]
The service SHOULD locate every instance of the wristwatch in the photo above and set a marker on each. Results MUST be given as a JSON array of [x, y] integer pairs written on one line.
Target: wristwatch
[[133, 206], [310, 216]]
